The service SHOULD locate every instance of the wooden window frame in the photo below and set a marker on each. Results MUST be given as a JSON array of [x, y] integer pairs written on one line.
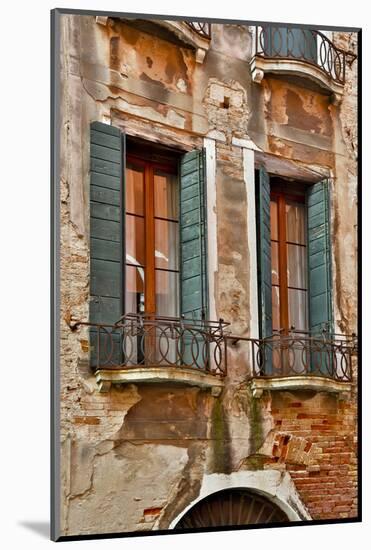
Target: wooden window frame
[[149, 167], [281, 196]]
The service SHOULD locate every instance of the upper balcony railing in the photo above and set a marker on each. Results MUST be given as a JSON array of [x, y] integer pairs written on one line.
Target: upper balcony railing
[[201, 28], [303, 45]]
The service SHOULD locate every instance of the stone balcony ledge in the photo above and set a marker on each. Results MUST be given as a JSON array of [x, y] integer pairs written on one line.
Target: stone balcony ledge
[[260, 66], [159, 374], [194, 34], [299, 382]]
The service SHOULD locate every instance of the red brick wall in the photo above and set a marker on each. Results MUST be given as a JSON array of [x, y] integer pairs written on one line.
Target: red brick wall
[[315, 439]]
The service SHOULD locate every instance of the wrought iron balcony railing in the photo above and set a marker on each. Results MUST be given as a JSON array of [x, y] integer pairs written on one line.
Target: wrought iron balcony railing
[[310, 46], [302, 354], [156, 341], [201, 28], [139, 340]]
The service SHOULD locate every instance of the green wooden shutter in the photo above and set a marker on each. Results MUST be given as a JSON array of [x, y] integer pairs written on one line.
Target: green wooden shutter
[[106, 219], [194, 296], [264, 254], [265, 271], [193, 270], [319, 258]]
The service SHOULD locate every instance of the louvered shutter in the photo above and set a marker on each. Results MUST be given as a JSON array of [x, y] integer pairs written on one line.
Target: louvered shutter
[[264, 251], [319, 259], [194, 299], [106, 219], [265, 271], [193, 271]]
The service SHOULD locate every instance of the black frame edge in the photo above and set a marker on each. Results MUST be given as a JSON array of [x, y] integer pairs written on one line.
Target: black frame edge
[[359, 274], [73, 11], [54, 277]]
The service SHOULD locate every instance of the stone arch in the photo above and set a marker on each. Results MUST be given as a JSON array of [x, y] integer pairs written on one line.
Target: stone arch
[[271, 485], [232, 507]]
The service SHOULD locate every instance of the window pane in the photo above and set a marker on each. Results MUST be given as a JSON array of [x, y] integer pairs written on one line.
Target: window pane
[[134, 194], [166, 244], [166, 195], [275, 269], [134, 289], [298, 309], [295, 223], [135, 243], [274, 221], [275, 308], [167, 293], [297, 266]]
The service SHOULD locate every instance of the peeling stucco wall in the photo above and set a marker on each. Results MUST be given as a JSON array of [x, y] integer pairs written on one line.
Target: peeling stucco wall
[[135, 457], [345, 197]]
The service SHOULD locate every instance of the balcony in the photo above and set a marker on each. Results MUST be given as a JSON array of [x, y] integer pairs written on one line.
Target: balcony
[[149, 348], [300, 361], [143, 348], [196, 34], [302, 53]]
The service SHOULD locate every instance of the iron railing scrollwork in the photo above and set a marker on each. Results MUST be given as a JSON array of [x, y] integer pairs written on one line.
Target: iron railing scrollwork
[[310, 46], [201, 28], [142, 340], [298, 354]]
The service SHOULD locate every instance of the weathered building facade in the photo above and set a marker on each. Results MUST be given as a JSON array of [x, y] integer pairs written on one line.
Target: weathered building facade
[[208, 241]]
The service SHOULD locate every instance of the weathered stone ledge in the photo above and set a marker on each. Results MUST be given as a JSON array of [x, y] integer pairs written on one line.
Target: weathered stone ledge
[[177, 375], [300, 382]]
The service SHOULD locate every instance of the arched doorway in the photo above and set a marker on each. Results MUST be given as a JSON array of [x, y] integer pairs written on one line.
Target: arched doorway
[[231, 507]]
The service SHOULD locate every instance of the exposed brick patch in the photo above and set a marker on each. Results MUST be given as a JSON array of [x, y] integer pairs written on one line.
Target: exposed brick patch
[[150, 514], [318, 447], [92, 420]]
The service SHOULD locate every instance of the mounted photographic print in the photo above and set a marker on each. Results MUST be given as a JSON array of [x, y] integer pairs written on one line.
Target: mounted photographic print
[[205, 190]]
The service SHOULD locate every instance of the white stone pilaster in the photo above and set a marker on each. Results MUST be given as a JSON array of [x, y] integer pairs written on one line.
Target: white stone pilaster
[[249, 177], [212, 245]]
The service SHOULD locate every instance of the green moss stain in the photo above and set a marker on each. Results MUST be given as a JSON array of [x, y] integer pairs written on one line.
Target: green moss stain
[[220, 439], [256, 427], [254, 462]]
